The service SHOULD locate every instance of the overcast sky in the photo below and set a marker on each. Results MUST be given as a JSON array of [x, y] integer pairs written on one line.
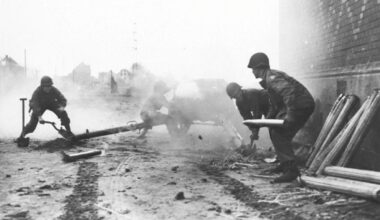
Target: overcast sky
[[193, 38]]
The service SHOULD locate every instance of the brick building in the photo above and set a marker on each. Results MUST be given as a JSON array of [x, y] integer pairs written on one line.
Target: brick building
[[333, 46]]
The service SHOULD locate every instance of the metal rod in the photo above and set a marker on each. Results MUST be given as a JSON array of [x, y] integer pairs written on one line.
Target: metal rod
[[23, 113], [26, 72]]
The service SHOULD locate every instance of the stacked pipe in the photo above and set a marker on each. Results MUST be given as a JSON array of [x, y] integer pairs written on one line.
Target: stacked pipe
[[333, 148], [361, 130], [354, 174], [325, 128], [331, 136], [363, 183], [352, 138], [351, 187]]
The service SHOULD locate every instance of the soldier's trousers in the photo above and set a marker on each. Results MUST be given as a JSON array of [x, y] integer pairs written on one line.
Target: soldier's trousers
[[282, 137], [62, 115]]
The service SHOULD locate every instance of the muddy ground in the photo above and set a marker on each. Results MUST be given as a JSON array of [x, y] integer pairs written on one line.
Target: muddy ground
[[192, 177]]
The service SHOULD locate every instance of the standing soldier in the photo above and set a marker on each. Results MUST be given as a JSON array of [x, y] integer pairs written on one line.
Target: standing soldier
[[46, 97], [251, 103], [290, 101]]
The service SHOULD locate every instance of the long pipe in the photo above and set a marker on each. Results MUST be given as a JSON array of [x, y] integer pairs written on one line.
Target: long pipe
[[351, 187], [130, 127], [337, 143], [360, 131], [355, 174], [330, 119]]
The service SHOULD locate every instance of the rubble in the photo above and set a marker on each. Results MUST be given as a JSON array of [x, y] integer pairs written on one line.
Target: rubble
[[179, 196], [175, 168]]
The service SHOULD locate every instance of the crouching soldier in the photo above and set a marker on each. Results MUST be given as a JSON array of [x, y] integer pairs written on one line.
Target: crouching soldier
[[290, 101], [251, 103], [150, 112], [46, 97]]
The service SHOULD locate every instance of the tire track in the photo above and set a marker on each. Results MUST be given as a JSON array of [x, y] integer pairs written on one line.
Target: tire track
[[81, 203]]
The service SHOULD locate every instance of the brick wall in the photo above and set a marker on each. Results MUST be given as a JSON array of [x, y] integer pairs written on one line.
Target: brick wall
[[327, 34], [333, 46]]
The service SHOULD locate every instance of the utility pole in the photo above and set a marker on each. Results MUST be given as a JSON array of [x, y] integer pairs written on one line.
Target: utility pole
[[25, 62]]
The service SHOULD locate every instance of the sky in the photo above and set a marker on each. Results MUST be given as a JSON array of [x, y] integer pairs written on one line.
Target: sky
[[179, 38]]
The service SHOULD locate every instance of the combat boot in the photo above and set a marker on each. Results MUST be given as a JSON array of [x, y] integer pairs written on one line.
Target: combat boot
[[67, 133], [279, 168], [290, 173]]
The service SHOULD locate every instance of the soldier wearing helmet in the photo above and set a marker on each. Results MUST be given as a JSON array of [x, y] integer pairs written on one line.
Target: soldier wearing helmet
[[46, 97], [150, 112], [251, 103], [290, 101]]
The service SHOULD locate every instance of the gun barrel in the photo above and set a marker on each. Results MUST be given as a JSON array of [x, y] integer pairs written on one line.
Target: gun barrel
[[109, 131]]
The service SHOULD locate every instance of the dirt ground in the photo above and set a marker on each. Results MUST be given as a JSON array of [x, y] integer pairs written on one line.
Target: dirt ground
[[192, 177]]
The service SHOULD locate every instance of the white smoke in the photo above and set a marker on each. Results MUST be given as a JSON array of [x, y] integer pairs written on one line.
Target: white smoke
[[188, 90]]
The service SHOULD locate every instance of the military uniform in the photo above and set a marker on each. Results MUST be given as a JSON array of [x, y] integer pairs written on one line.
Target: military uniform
[[42, 101], [291, 101], [253, 105], [150, 111]]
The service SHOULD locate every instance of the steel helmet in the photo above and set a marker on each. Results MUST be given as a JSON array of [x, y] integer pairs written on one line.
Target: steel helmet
[[46, 81], [259, 60], [232, 89]]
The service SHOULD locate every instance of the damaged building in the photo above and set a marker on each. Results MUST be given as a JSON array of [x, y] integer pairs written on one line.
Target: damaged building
[[10, 70]]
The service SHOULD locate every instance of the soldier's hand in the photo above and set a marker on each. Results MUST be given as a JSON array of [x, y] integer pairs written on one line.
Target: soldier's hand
[[254, 136], [288, 123], [61, 108], [41, 120]]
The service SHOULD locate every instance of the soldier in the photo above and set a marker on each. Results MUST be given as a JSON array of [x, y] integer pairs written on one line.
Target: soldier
[[251, 103], [150, 112], [290, 101], [46, 97]]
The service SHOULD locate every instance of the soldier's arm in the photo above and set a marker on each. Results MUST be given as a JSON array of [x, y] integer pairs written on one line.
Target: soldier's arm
[[287, 92], [62, 101], [34, 103], [246, 114], [165, 102], [244, 111], [254, 98]]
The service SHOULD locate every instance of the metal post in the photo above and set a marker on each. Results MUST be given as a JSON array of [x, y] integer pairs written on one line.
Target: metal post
[[23, 112], [26, 72]]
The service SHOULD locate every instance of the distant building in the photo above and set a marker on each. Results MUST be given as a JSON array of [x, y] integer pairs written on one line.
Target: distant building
[[81, 74], [10, 71], [11, 67]]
